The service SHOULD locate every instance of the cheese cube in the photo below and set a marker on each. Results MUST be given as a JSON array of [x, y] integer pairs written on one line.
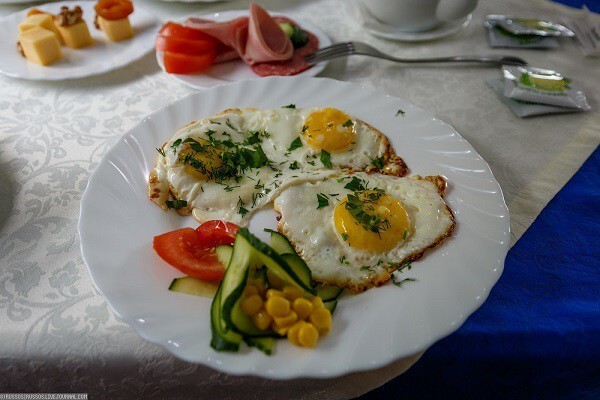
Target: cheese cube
[[42, 20], [76, 35], [40, 45], [116, 29]]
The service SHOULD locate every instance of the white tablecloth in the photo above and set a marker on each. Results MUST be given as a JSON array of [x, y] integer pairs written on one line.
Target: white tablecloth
[[56, 332]]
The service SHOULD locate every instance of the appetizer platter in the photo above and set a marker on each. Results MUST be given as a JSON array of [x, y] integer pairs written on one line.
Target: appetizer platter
[[354, 225], [235, 45], [74, 39]]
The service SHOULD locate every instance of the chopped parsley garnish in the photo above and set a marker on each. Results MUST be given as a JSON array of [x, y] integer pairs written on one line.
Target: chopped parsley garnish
[[342, 260], [326, 159], [405, 233], [345, 236], [405, 265], [255, 197], [161, 151], [294, 165], [347, 123], [176, 204], [322, 200], [400, 112], [259, 185], [176, 143], [229, 124], [230, 188], [359, 203], [304, 128], [378, 162], [366, 268], [242, 211], [297, 143], [355, 184], [399, 283], [289, 106]]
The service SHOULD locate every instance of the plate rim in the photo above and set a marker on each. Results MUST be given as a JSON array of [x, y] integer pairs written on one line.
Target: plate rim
[[83, 74], [314, 70], [476, 303]]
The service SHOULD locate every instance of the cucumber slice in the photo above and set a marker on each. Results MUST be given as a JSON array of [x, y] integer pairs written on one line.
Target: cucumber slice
[[300, 268], [224, 252], [194, 286], [222, 338], [264, 344], [248, 252], [279, 243], [276, 264], [331, 305], [328, 293]]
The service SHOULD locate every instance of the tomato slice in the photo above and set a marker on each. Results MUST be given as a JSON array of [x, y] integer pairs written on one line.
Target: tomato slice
[[182, 249], [183, 46], [176, 63], [113, 9], [215, 233], [184, 32]]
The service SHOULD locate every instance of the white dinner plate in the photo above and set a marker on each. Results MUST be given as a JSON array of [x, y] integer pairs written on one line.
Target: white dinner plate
[[102, 56], [237, 70], [118, 222]]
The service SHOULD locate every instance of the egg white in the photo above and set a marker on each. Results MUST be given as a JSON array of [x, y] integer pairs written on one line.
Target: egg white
[[210, 200], [330, 258]]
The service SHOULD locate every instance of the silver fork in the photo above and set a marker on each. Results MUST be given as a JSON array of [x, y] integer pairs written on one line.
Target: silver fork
[[351, 48]]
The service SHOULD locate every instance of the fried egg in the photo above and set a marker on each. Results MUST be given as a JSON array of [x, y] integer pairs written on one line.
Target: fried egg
[[354, 230], [227, 166]]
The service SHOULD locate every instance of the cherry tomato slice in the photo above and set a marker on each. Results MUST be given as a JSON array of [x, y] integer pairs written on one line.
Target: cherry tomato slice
[[215, 233], [183, 32], [183, 46], [176, 63], [182, 249], [113, 9]]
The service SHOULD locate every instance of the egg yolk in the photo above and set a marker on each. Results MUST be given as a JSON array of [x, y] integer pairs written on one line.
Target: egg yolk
[[385, 225], [329, 129], [200, 163]]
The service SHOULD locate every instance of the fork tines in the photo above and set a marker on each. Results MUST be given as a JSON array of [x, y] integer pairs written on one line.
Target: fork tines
[[330, 52]]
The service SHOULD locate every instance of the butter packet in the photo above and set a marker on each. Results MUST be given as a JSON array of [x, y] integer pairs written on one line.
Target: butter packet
[[525, 109], [531, 26], [498, 37], [543, 86]]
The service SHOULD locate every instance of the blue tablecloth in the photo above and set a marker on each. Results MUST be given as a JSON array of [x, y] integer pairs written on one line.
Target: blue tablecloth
[[538, 334]]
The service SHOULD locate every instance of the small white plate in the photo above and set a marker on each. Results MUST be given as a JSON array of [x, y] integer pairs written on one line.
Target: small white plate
[[237, 70], [360, 14], [118, 222], [102, 56]]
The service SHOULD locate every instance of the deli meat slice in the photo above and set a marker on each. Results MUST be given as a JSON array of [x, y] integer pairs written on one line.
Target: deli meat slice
[[266, 40], [257, 38]]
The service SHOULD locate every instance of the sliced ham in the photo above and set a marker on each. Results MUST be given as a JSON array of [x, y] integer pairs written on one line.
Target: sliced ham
[[257, 38]]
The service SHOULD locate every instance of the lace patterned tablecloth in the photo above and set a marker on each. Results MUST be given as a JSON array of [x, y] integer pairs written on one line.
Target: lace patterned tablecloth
[[56, 332]]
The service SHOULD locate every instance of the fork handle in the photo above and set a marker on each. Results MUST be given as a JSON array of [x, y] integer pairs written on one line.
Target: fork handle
[[478, 59]]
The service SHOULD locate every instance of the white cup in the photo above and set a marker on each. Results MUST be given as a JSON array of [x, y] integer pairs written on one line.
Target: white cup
[[418, 15]]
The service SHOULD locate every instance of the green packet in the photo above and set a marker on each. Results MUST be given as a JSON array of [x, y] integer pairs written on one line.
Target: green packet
[[498, 37], [532, 26], [525, 109], [543, 86]]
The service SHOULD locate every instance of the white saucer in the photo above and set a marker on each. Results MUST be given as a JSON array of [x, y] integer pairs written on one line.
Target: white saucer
[[377, 28]]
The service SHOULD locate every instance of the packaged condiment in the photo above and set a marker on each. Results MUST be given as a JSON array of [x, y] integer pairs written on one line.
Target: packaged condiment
[[532, 26], [498, 37], [543, 86], [524, 108]]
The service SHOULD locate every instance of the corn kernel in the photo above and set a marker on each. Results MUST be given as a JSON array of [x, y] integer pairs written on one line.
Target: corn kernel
[[262, 320], [277, 306], [251, 304], [286, 321], [317, 302], [249, 290], [308, 335], [273, 292], [303, 307], [274, 280], [292, 333], [280, 330], [321, 319], [292, 292]]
